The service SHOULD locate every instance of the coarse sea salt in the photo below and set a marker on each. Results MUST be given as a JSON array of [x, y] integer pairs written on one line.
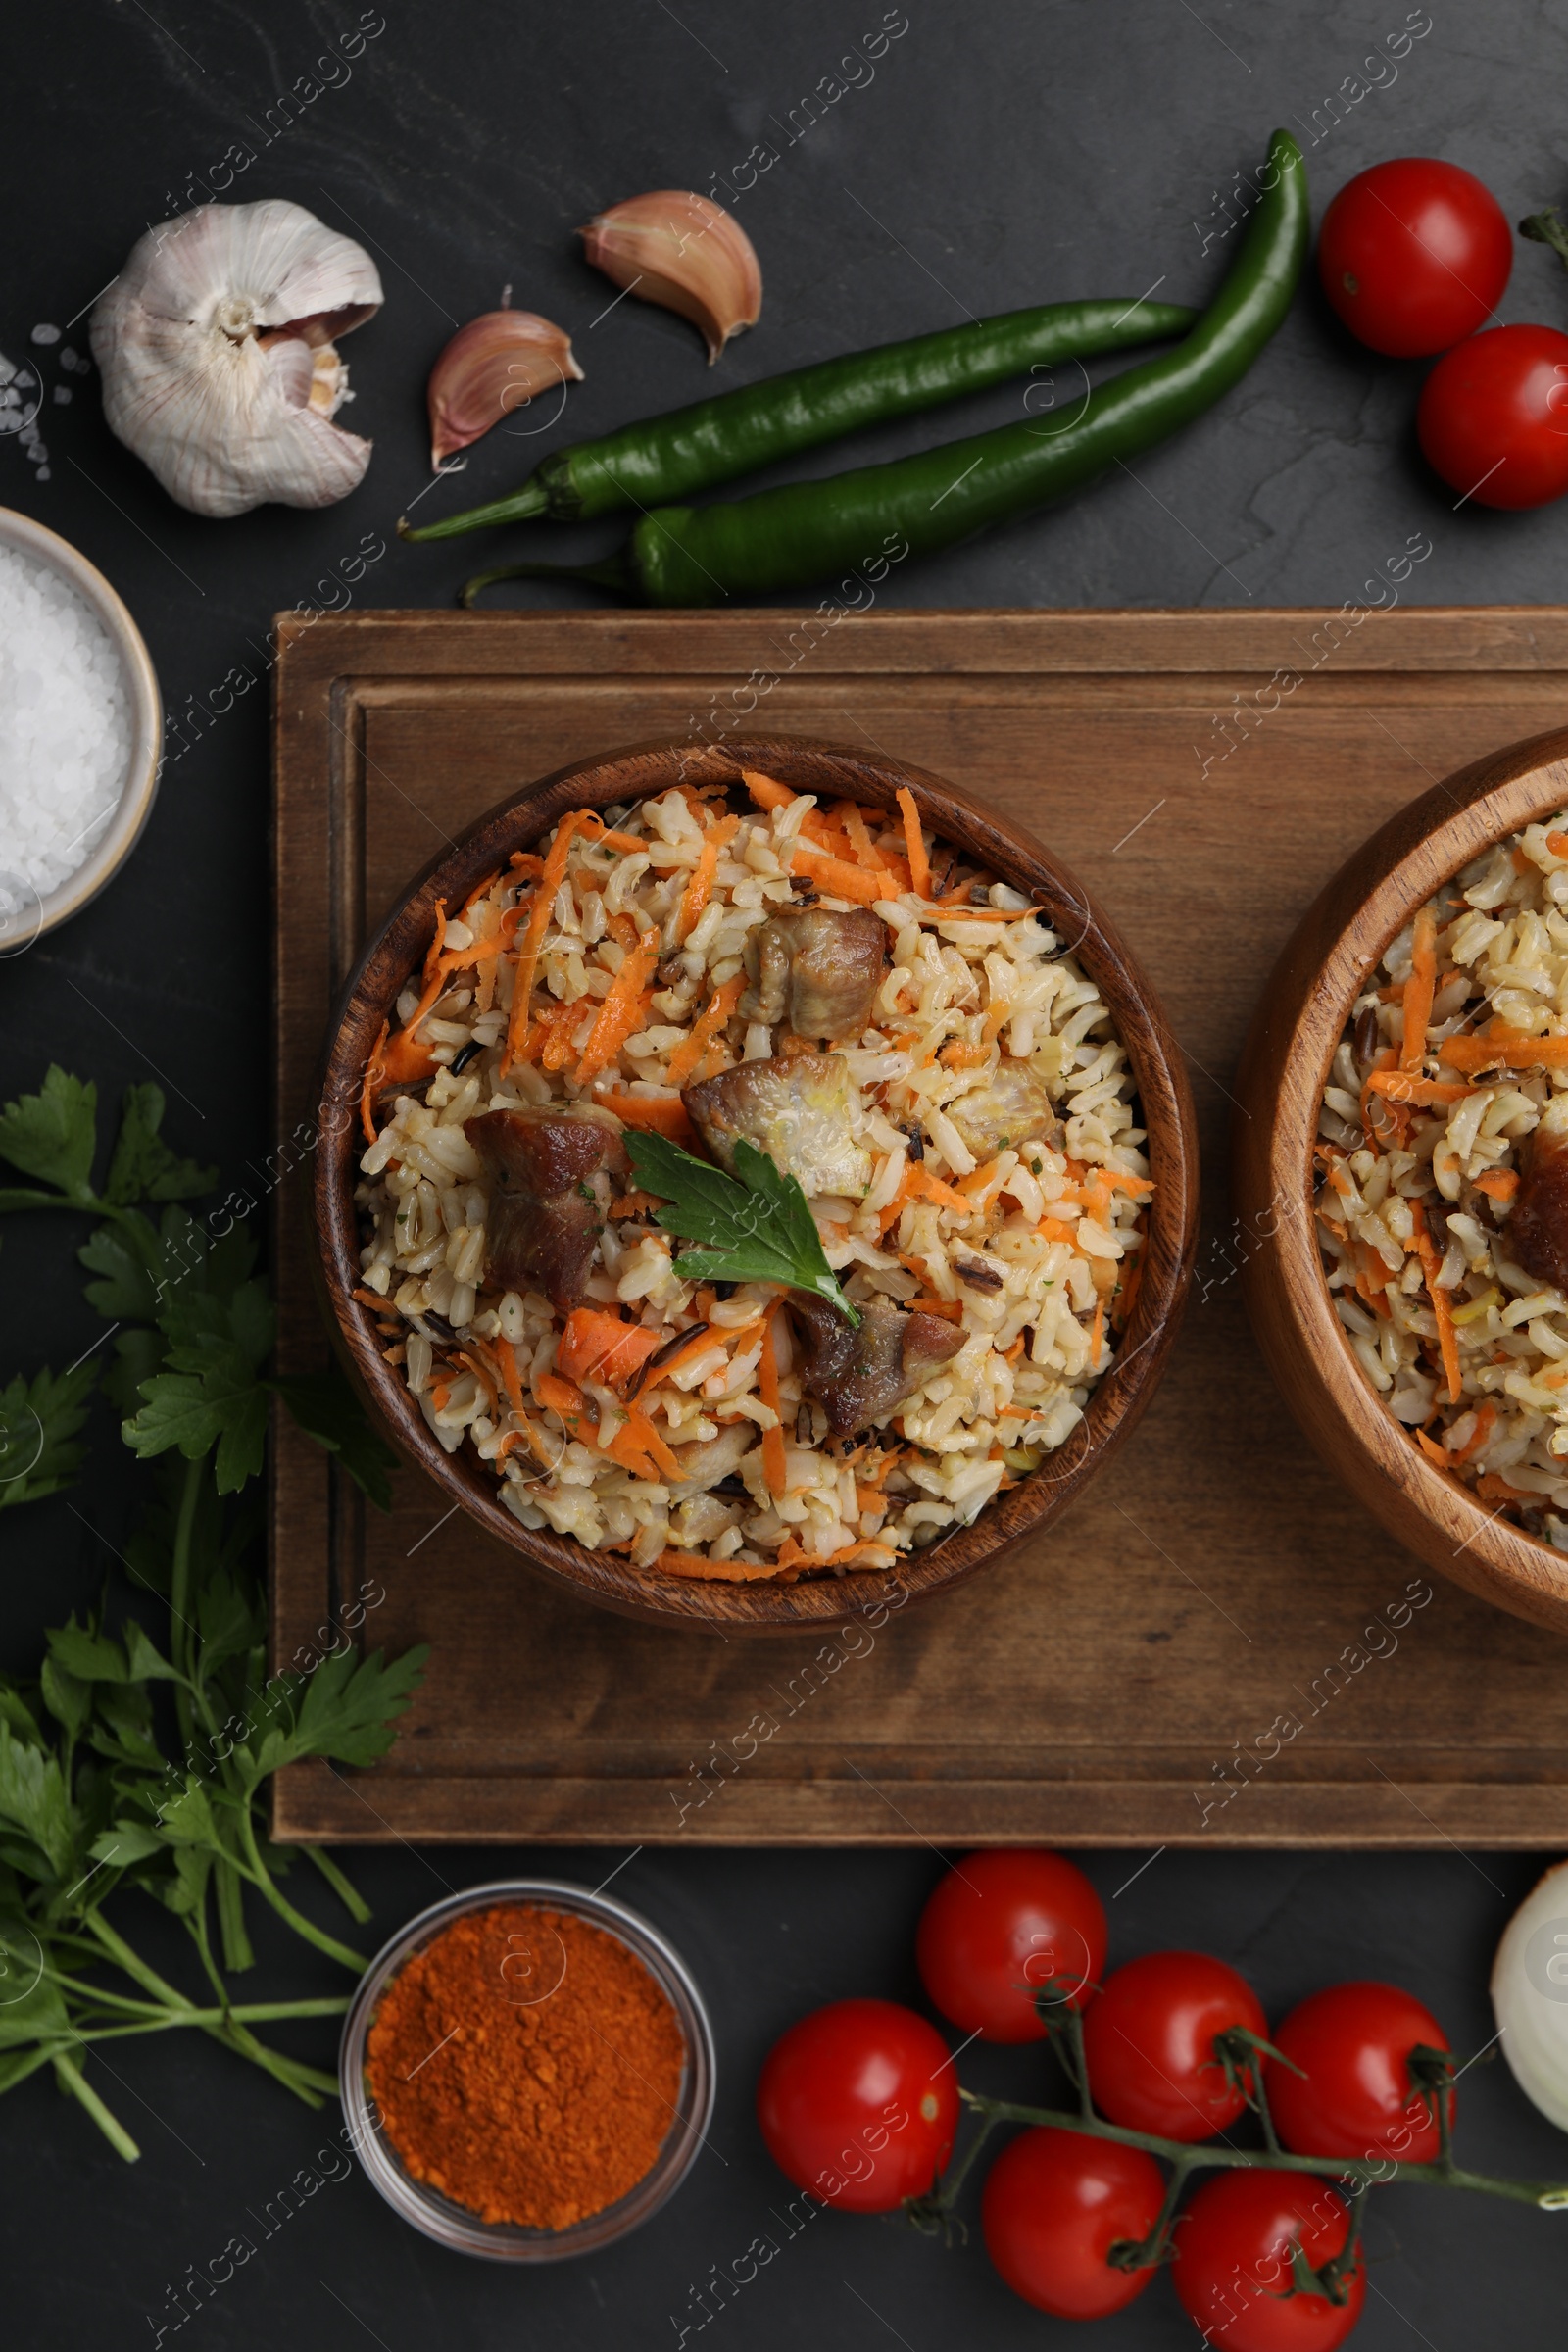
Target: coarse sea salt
[[64, 726]]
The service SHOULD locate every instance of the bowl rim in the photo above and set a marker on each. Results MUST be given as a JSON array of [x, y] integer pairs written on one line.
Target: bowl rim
[[632, 773], [440, 2217], [144, 764], [1339, 941]]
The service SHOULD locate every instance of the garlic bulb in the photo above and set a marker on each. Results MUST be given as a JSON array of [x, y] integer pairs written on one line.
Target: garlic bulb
[[1530, 1996], [494, 365], [216, 345], [690, 256]]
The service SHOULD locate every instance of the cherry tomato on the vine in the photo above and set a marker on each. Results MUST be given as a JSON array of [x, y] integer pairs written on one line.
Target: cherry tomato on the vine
[[1354, 2095], [998, 1929], [1149, 2042], [1234, 2265], [858, 2103], [1414, 255], [1493, 417], [1054, 2204]]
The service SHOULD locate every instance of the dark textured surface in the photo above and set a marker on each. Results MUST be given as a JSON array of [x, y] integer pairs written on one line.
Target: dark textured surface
[[999, 157]]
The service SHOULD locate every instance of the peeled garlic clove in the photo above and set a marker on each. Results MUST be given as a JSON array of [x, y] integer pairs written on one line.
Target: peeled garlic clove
[[216, 349], [688, 255], [494, 365]]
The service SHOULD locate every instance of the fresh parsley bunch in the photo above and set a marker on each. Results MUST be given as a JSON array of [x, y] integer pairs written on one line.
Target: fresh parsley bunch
[[755, 1226], [129, 1765]]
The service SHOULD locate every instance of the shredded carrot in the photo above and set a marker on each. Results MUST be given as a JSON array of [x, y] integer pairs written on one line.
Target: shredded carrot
[[698, 888], [1500, 1183], [1419, 990], [1448, 1338], [609, 840], [1126, 1295], [1485, 1422], [689, 1055], [765, 791], [641, 1433], [1097, 1335], [848, 815], [544, 897], [1557, 843], [1399, 1086], [919, 864], [1492, 1488], [1507, 1049], [635, 1203], [699, 1344], [961, 1056], [623, 1009], [900, 1200], [792, 1555], [665, 1114], [562, 1396], [554, 1032], [932, 1188], [375, 1074], [774, 1462], [715, 1572], [1435, 1453], [844, 881], [598, 1342], [524, 861], [928, 1303]]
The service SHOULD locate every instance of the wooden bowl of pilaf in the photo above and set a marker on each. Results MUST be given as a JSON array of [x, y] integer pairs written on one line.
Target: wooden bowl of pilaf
[[1398, 1176], [511, 1365]]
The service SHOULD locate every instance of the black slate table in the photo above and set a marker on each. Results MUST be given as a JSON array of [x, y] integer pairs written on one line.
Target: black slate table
[[979, 160]]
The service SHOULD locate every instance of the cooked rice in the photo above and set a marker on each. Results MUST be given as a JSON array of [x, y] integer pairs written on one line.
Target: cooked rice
[[1453, 1169], [1059, 1226]]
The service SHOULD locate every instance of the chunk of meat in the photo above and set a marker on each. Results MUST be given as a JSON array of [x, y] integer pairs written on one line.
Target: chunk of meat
[[1535, 1234], [797, 1111], [543, 1220], [1012, 1107], [859, 1377], [818, 968]]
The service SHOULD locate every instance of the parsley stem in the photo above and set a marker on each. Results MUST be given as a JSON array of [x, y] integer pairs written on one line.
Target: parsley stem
[[180, 1598], [230, 1890], [71, 2079], [343, 1886], [259, 1876]]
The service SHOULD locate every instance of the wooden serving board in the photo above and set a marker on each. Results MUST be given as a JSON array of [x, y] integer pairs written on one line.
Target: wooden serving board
[[1216, 1645]]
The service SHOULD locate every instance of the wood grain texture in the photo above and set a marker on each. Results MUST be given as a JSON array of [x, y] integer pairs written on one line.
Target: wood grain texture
[[1114, 1679], [1164, 1099], [1280, 1091]]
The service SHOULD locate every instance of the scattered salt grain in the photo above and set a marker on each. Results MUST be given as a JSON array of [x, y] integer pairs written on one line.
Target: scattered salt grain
[[65, 726]]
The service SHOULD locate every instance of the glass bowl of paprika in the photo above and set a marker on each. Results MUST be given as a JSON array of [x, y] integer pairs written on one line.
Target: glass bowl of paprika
[[528, 2071]]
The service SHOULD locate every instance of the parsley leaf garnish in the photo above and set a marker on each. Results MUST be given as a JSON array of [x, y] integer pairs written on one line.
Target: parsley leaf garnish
[[755, 1226]]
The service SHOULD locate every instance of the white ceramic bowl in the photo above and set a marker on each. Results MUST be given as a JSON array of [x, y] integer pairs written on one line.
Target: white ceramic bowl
[[20, 926]]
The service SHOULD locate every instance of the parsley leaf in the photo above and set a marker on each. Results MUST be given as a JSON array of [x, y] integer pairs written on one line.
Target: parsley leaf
[[327, 1410], [38, 1419], [755, 1226], [143, 1167], [52, 1135], [344, 1709]]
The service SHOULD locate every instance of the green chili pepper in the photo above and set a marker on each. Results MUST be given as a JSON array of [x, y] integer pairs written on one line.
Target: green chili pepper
[[782, 538], [665, 458]]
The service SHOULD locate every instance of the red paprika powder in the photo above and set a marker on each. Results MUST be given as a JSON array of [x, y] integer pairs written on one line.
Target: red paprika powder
[[526, 2065]]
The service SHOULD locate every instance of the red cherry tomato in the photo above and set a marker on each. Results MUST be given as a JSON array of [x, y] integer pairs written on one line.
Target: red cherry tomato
[[1354, 2095], [1494, 416], [998, 1929], [1233, 2267], [1414, 255], [1149, 2040], [1054, 2204], [858, 2103]]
